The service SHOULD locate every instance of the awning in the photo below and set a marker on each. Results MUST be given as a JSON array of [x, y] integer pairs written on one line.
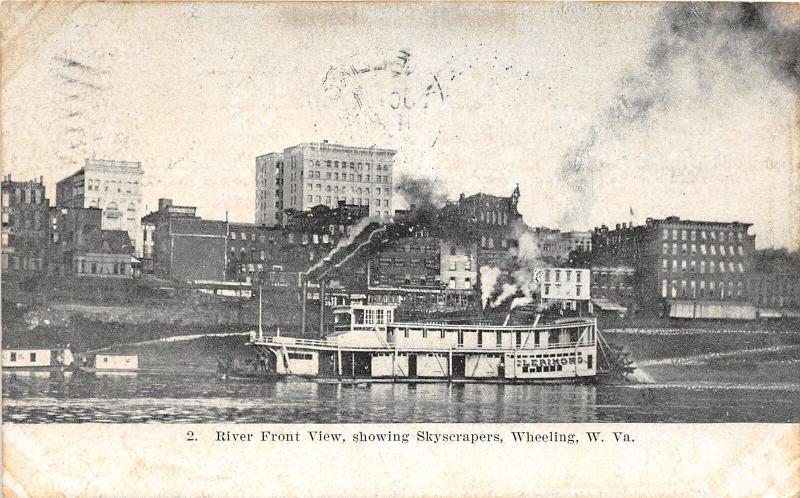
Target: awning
[[711, 310], [606, 305]]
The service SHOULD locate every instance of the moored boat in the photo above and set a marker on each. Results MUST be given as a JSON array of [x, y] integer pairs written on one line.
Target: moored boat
[[368, 345]]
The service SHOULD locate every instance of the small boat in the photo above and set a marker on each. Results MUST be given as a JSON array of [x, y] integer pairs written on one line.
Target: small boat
[[108, 363], [369, 346]]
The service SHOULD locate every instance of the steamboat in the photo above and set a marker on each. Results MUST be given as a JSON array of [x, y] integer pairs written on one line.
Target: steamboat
[[368, 345]]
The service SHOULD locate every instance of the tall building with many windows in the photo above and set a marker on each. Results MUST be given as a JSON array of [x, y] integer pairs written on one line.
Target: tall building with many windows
[[25, 235], [697, 268], [114, 187], [310, 174]]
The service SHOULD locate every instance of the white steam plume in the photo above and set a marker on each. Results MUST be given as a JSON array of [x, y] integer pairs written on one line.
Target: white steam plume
[[344, 242], [507, 291], [489, 276]]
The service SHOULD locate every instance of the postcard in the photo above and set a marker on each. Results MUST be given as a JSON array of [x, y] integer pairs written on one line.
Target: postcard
[[400, 249]]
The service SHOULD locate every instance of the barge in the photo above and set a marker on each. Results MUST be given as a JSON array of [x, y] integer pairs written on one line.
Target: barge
[[367, 345]]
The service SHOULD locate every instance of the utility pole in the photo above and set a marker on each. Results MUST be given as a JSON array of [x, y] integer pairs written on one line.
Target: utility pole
[[303, 282], [321, 307]]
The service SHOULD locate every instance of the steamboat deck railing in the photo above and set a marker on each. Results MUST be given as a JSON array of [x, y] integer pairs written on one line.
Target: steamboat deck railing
[[393, 346]]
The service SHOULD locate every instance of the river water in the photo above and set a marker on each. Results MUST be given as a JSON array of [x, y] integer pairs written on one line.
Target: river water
[[700, 376], [206, 398]]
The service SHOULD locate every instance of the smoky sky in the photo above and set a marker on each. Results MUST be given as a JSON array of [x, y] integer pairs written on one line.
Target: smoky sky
[[733, 34], [671, 109]]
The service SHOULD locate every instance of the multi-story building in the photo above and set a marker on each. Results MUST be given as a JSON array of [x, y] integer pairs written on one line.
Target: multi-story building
[[555, 246], [181, 246], [166, 211], [25, 230], [565, 288], [68, 228], [613, 287], [680, 263], [458, 265], [492, 222], [775, 282], [279, 255], [775, 290], [310, 174], [115, 187], [408, 261]]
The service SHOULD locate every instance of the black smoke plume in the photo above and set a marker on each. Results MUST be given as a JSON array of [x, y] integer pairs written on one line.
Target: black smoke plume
[[736, 34]]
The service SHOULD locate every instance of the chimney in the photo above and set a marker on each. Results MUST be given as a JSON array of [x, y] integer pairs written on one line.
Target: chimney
[[163, 204]]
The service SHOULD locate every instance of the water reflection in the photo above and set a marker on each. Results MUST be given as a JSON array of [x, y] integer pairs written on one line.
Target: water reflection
[[206, 398]]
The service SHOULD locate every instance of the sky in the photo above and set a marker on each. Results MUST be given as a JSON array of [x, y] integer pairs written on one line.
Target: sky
[[596, 110]]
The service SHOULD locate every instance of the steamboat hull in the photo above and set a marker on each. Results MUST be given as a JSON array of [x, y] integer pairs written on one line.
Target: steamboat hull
[[355, 365]]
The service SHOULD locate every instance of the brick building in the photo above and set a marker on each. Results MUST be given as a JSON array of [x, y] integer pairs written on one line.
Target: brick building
[[775, 282], [179, 245], [775, 290], [555, 246], [492, 222], [613, 287], [25, 228], [683, 264], [408, 261], [68, 227]]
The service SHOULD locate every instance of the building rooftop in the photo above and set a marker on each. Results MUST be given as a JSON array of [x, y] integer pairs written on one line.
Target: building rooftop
[[325, 145], [107, 241]]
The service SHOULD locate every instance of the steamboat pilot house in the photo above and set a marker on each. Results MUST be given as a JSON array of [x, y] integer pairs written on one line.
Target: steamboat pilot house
[[368, 344]]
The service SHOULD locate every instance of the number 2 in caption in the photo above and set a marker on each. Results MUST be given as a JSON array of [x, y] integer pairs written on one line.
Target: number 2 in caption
[[190, 436]]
